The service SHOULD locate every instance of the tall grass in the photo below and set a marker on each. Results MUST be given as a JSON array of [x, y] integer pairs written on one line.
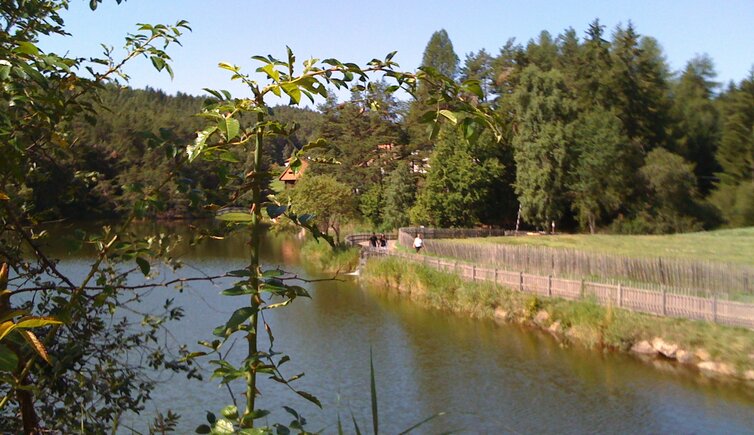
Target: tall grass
[[323, 257]]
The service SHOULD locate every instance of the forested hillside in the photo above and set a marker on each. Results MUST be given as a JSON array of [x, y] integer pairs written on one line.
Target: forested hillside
[[124, 148], [598, 134]]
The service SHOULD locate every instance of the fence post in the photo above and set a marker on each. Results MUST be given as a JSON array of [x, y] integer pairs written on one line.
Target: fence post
[[521, 281], [549, 285], [473, 272], [714, 307], [664, 300], [746, 282], [455, 266], [496, 276], [620, 295], [581, 290]]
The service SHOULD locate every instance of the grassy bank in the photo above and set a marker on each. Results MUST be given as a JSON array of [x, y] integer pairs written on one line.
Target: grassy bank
[[324, 258], [734, 246], [581, 322]]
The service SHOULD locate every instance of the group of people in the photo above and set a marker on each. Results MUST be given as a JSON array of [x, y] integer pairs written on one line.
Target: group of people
[[378, 242], [381, 242]]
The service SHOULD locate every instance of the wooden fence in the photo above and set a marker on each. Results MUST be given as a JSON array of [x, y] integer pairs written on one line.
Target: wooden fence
[[688, 277], [662, 302]]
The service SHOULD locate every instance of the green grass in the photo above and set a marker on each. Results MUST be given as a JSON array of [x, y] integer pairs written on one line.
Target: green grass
[[729, 246], [326, 259], [583, 322]]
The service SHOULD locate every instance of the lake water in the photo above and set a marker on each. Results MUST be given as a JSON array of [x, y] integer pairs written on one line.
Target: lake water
[[486, 377]]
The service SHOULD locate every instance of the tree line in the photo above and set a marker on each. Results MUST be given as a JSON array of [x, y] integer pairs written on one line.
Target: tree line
[[597, 134]]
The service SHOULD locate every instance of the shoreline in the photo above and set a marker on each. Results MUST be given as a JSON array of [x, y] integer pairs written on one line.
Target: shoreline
[[712, 350]]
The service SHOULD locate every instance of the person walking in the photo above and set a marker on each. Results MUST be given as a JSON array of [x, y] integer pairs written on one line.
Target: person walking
[[373, 241], [418, 243]]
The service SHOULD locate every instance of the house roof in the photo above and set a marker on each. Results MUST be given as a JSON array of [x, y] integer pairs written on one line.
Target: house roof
[[289, 175]]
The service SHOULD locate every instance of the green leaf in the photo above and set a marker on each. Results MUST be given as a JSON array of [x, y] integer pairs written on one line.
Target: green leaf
[[274, 211], [36, 322], [240, 273], [230, 411], [8, 360], [143, 265], [211, 417], [473, 87], [238, 317], [157, 62], [309, 397], [27, 47], [203, 429], [450, 116], [195, 150], [238, 290], [229, 127]]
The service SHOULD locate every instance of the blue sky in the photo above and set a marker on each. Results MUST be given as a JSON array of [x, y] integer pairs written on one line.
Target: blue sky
[[234, 30]]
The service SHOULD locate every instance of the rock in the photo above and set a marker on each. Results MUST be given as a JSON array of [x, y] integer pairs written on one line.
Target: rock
[[555, 328], [542, 318], [500, 314], [643, 348], [716, 368], [666, 349], [685, 357], [702, 354], [749, 375]]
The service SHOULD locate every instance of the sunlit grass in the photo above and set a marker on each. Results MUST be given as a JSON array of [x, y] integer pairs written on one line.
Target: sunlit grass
[[733, 246]]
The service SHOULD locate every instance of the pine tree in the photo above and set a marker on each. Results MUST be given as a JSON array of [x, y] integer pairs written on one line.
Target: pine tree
[[400, 195], [601, 178], [697, 128], [542, 144], [438, 55], [638, 82], [457, 186], [735, 191]]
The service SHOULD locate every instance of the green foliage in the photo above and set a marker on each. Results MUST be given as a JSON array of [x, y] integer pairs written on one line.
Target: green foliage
[[371, 205], [734, 197], [672, 188], [697, 119], [544, 112], [458, 183], [400, 195], [331, 202], [439, 54], [600, 178], [46, 173]]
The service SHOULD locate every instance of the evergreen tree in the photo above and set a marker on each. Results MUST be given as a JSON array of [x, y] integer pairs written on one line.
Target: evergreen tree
[[697, 119], [544, 111], [600, 179], [458, 184], [400, 195], [735, 191], [542, 53], [639, 86], [438, 55], [478, 66]]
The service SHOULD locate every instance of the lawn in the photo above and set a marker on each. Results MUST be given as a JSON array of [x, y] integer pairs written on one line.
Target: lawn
[[730, 246]]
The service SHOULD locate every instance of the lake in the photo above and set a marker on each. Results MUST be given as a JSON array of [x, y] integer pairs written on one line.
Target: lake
[[486, 377]]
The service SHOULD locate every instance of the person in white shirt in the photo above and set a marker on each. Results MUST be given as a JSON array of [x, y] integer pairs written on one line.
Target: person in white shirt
[[418, 243]]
